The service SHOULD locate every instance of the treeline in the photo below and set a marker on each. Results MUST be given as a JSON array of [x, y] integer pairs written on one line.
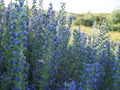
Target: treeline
[[89, 18]]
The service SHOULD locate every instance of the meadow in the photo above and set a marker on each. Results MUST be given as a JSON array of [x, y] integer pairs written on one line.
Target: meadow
[[36, 52]]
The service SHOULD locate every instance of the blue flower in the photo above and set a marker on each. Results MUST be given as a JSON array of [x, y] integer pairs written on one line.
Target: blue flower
[[65, 84], [73, 82], [20, 69], [18, 9], [70, 20], [11, 78], [17, 34], [51, 82], [27, 88], [33, 72], [17, 89], [27, 64], [1, 60], [13, 27], [1, 77], [25, 44], [11, 38], [24, 26], [23, 22], [56, 21], [13, 70], [17, 42], [90, 83], [24, 15], [57, 37], [49, 63], [44, 47], [21, 3], [1, 28], [15, 15], [12, 22], [51, 71], [80, 88], [73, 87], [15, 52], [15, 4], [80, 84], [25, 75], [46, 87], [55, 66], [15, 62], [25, 38], [24, 32], [89, 65], [18, 79]]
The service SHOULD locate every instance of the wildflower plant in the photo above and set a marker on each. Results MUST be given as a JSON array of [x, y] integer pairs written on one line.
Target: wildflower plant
[[35, 53]]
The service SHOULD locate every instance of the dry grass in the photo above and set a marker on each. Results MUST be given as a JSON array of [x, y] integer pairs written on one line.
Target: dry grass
[[115, 36]]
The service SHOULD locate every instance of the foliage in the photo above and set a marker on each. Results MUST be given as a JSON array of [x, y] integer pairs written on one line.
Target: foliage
[[85, 19], [88, 19], [115, 16], [115, 20], [35, 53], [115, 27]]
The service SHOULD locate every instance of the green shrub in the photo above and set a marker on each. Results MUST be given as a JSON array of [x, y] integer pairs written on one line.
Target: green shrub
[[88, 22], [115, 20], [115, 16], [89, 19], [115, 27]]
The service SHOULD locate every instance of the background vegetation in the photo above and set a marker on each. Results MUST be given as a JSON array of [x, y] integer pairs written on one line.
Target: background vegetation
[[89, 20]]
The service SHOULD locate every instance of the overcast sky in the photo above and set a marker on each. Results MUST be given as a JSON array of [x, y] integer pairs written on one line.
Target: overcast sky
[[82, 6]]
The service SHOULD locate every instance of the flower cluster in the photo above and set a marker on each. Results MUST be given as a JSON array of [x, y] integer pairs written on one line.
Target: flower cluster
[[35, 53]]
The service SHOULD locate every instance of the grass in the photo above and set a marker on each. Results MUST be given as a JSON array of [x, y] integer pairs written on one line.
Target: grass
[[114, 36]]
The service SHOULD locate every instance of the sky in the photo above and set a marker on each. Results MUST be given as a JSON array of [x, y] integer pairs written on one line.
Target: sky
[[81, 6]]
